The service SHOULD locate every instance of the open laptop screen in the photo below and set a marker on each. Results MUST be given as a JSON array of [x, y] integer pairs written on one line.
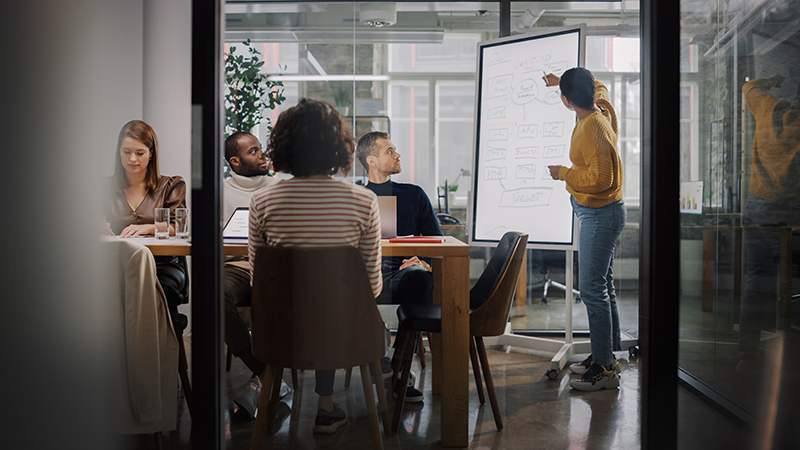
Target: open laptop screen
[[238, 223], [387, 206]]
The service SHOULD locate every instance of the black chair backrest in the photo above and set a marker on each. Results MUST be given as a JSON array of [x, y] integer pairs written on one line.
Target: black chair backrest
[[492, 274]]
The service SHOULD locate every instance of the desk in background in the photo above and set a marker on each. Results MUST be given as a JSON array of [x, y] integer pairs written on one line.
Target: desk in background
[[710, 263]]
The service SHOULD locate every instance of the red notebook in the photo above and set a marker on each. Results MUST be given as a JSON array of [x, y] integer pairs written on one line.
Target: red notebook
[[417, 240]]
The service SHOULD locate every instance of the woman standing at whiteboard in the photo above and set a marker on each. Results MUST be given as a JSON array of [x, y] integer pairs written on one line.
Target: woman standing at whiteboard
[[595, 184]]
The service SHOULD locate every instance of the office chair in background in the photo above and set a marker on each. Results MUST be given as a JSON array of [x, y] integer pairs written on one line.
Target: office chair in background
[[551, 258]]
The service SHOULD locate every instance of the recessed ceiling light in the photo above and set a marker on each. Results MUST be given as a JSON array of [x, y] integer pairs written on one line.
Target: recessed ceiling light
[[378, 15]]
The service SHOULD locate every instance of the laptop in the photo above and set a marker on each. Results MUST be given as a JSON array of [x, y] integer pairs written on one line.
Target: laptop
[[237, 227], [387, 207]]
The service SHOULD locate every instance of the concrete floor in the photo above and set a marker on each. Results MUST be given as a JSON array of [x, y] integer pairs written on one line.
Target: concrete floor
[[537, 414]]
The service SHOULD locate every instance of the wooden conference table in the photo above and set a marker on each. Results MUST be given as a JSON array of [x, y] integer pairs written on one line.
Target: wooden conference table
[[451, 290]]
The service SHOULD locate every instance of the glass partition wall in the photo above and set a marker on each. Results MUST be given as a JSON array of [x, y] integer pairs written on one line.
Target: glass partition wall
[[740, 186], [415, 79]]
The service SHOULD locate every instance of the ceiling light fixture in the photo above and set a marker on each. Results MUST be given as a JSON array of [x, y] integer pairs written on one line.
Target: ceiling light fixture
[[328, 77], [378, 15]]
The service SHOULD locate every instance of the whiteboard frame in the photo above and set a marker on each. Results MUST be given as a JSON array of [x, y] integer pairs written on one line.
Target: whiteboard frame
[[547, 32]]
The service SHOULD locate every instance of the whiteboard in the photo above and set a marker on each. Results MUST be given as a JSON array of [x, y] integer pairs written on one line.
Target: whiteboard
[[521, 128]]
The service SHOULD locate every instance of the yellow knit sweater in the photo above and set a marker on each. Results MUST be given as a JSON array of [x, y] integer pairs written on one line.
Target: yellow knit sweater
[[775, 171], [595, 178]]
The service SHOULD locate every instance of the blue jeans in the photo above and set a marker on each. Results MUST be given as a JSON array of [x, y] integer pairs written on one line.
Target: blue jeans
[[762, 250], [600, 228]]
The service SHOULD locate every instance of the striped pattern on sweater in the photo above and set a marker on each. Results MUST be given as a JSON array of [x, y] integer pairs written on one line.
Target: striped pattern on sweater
[[318, 213], [595, 178]]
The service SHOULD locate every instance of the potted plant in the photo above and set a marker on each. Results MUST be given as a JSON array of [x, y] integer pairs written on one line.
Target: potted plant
[[342, 97], [450, 189], [248, 92]]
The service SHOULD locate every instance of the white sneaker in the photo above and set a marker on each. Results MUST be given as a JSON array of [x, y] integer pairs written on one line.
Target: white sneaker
[[285, 390], [581, 367], [596, 378], [246, 395]]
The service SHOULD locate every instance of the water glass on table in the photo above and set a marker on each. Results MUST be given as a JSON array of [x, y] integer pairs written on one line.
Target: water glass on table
[[162, 223], [182, 223]]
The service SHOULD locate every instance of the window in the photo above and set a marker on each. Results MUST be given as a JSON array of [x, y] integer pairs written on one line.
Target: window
[[455, 118], [456, 53], [409, 104]]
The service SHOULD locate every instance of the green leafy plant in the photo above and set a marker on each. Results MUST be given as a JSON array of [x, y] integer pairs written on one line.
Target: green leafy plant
[[451, 187], [342, 96], [249, 91]]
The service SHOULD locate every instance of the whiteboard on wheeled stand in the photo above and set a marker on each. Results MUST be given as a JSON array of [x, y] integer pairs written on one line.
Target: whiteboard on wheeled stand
[[521, 127]]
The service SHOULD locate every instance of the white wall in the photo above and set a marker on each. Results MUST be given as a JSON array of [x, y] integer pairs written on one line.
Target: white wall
[[167, 82], [167, 89], [71, 77]]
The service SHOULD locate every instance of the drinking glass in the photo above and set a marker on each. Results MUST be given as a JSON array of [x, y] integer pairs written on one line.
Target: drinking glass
[[182, 223], [162, 223]]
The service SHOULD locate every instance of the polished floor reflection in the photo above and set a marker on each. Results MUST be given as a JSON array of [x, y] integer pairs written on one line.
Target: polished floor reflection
[[537, 412]]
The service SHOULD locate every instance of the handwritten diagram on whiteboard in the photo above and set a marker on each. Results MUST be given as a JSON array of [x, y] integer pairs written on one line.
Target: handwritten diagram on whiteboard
[[521, 128]]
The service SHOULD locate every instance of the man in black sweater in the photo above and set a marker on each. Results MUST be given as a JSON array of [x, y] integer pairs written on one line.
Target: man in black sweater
[[404, 280]]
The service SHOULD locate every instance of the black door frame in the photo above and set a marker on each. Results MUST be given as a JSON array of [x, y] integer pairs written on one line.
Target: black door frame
[[659, 268], [659, 254], [208, 373]]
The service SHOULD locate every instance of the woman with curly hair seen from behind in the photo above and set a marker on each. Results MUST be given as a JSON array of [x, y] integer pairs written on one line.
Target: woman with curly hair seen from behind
[[310, 142]]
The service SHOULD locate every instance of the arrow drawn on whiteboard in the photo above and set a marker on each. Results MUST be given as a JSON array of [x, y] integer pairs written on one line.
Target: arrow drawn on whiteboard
[[501, 184], [493, 220], [524, 113]]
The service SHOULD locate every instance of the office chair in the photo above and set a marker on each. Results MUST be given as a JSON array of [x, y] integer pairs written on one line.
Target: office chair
[[172, 275], [489, 303], [313, 308], [551, 258]]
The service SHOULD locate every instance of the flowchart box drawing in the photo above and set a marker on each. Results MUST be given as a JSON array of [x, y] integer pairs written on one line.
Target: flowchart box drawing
[[495, 173]]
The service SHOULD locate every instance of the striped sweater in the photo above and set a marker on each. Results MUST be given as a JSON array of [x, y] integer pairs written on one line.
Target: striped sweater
[[595, 178], [318, 212]]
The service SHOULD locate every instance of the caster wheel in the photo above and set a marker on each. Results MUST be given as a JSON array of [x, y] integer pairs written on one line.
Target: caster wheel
[[577, 299], [552, 374], [544, 301], [633, 351]]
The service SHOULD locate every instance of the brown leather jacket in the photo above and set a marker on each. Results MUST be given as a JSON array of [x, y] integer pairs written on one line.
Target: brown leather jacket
[[170, 193]]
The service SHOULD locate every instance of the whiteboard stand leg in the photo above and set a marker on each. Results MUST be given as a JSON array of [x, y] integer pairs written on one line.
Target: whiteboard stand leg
[[568, 299], [563, 350], [562, 356], [559, 361]]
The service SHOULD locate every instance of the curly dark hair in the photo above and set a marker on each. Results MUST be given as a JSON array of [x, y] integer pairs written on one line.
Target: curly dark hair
[[577, 84], [310, 139]]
